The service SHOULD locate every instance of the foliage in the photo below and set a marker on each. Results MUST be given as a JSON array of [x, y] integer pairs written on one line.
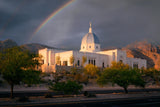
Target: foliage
[[84, 59], [91, 70], [71, 59], [152, 73], [77, 75], [119, 65], [69, 87], [18, 66], [122, 76]]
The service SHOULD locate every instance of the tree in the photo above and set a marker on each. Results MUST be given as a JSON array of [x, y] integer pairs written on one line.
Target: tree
[[84, 59], [119, 65], [71, 60], [69, 87], [18, 66], [152, 73], [121, 76], [91, 70]]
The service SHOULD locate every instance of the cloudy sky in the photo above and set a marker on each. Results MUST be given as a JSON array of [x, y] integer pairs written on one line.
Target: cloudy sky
[[115, 22]]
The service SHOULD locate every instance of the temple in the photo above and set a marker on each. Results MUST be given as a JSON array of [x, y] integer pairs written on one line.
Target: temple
[[90, 49]]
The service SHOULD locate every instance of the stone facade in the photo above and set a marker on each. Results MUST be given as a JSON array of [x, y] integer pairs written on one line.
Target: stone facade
[[90, 49]]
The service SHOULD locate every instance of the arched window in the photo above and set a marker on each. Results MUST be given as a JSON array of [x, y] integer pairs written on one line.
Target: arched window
[[78, 63], [94, 62], [103, 65]]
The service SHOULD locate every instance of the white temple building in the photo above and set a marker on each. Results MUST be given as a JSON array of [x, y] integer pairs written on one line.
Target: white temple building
[[91, 50]]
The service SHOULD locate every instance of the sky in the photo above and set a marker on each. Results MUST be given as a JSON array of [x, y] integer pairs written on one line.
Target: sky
[[116, 23]]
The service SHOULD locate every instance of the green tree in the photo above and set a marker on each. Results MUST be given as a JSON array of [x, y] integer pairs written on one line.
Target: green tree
[[69, 87], [152, 73], [119, 65], [122, 77], [18, 66], [91, 70]]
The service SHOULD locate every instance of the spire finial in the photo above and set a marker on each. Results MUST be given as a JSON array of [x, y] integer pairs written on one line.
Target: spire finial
[[90, 28], [90, 24]]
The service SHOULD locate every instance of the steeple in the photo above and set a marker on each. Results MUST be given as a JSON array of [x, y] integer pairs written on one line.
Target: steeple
[[90, 28]]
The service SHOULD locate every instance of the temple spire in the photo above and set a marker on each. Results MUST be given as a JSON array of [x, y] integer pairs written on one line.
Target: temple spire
[[90, 28]]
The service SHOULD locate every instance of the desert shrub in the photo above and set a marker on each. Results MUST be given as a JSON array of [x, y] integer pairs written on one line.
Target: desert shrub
[[69, 87]]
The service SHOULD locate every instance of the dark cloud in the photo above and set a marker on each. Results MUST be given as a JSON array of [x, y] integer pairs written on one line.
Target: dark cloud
[[115, 22]]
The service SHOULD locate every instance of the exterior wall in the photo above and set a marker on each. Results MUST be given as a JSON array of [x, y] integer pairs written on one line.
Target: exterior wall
[[64, 56], [141, 62], [48, 57], [112, 55], [100, 59]]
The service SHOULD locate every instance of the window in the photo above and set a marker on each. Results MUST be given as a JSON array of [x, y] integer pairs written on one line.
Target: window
[[135, 65], [121, 61], [83, 47], [78, 63], [65, 63], [89, 61], [103, 65], [96, 47], [94, 62], [89, 46]]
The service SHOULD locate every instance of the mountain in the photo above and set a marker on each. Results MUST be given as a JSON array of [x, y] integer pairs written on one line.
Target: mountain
[[7, 44], [33, 47], [145, 50]]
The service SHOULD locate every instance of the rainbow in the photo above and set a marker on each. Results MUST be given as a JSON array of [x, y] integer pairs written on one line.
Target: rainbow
[[50, 17]]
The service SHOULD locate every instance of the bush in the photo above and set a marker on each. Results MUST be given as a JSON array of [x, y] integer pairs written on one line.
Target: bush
[[48, 95], [69, 87], [23, 99]]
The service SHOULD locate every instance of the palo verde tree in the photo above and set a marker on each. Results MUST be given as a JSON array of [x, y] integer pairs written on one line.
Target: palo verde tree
[[91, 70], [153, 74], [18, 66], [122, 76]]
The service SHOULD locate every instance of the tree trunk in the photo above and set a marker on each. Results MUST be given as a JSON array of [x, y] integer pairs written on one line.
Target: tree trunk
[[125, 90], [12, 85]]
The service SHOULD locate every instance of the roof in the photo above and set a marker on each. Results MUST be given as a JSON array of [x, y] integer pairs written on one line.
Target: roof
[[90, 38]]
